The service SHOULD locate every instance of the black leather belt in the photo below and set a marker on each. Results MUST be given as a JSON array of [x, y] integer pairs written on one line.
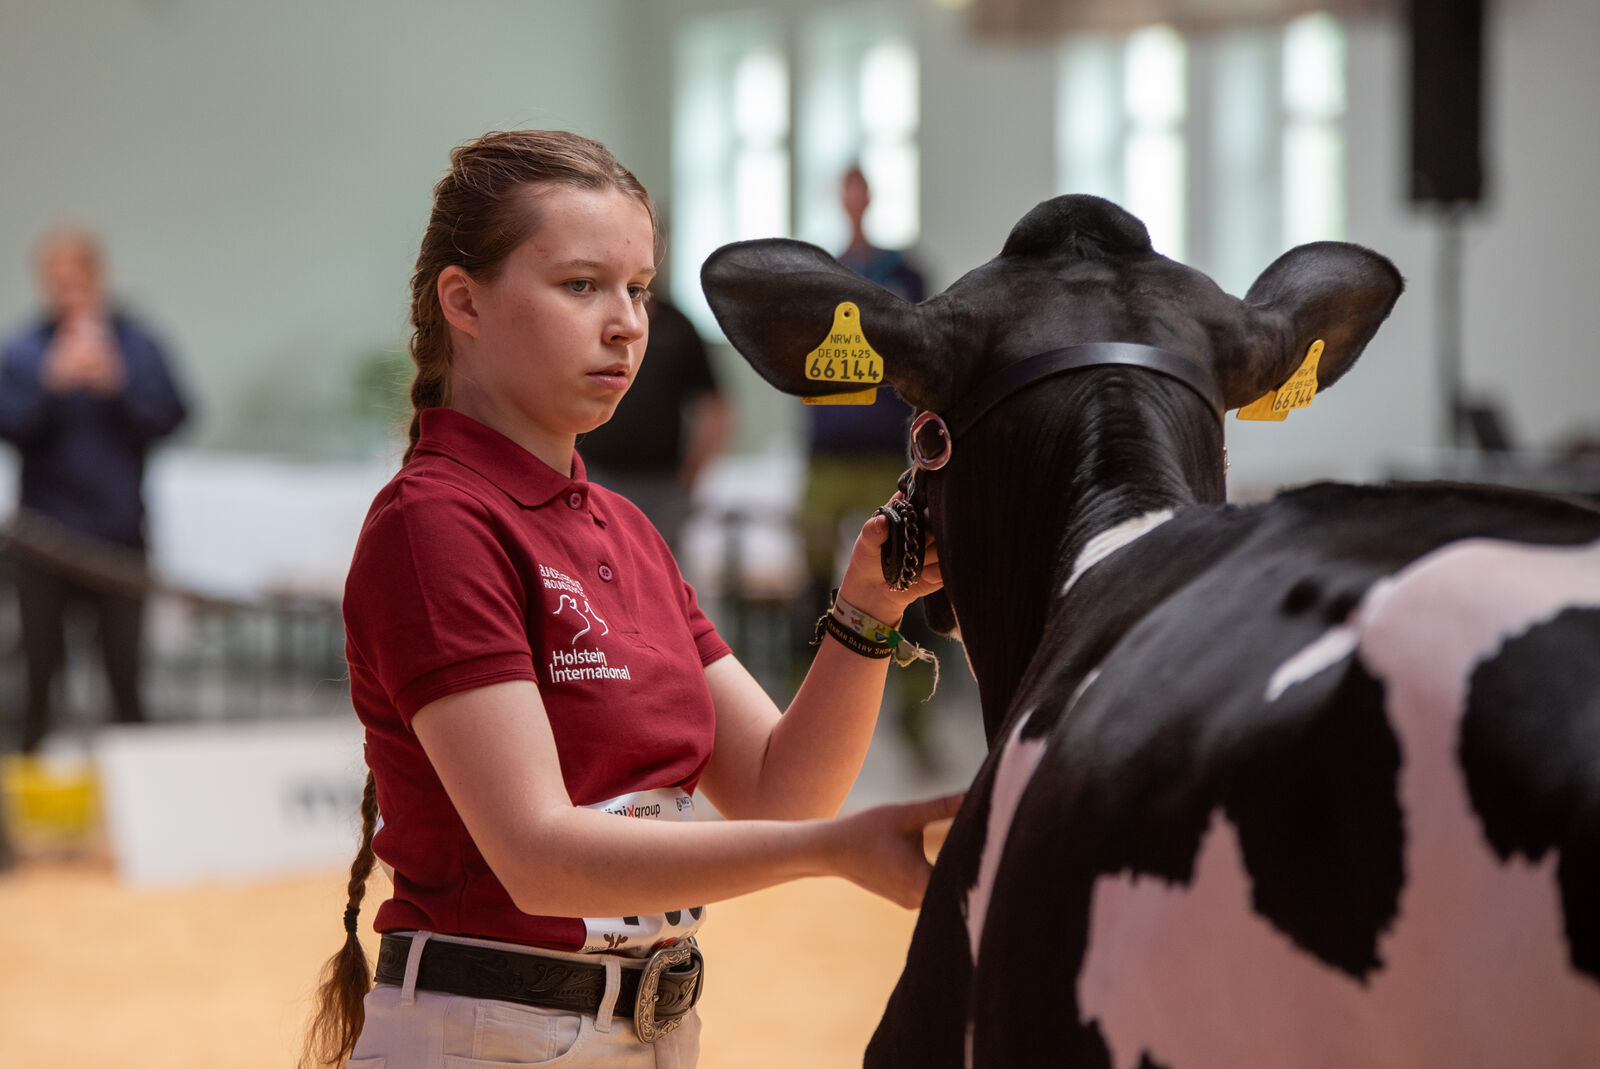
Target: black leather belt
[[658, 991]]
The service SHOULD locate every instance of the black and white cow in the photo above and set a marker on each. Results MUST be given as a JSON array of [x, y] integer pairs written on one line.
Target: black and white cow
[[1314, 782]]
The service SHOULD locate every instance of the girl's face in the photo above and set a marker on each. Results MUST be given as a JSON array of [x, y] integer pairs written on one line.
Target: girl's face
[[555, 339]]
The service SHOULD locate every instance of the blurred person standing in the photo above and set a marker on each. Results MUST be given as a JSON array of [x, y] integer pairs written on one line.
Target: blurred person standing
[[855, 454], [668, 426], [84, 392]]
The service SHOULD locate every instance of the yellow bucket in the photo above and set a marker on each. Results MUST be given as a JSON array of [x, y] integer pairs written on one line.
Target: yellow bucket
[[49, 803]]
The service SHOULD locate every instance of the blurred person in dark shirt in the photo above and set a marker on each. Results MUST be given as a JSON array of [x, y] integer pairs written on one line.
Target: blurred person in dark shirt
[[84, 392], [855, 454], [671, 423]]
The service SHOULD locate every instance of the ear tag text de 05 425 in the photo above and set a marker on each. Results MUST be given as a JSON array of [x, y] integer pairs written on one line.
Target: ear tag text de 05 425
[[845, 357], [1296, 393]]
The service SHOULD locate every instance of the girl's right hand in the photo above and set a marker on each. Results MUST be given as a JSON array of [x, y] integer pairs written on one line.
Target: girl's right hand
[[882, 849]]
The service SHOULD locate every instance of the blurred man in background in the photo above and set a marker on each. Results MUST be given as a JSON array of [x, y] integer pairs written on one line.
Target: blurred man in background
[[855, 454], [672, 422], [84, 392]]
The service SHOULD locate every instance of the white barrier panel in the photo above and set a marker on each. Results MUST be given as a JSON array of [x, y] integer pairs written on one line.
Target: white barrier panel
[[204, 801]]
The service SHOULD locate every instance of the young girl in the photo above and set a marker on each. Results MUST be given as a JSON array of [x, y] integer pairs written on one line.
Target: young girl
[[541, 693]]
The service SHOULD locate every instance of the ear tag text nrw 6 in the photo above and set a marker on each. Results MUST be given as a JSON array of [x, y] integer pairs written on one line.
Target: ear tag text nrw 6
[[1296, 393], [845, 357]]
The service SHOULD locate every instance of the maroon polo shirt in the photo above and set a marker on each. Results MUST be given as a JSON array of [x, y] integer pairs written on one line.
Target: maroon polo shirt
[[477, 564]]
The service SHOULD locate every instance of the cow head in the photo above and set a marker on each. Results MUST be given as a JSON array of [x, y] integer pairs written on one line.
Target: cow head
[[1052, 464], [1074, 269]]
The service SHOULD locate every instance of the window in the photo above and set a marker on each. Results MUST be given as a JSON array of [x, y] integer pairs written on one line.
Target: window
[[1229, 145], [731, 147], [1313, 144], [1155, 100], [760, 145], [860, 106], [739, 169], [1121, 127], [889, 143]]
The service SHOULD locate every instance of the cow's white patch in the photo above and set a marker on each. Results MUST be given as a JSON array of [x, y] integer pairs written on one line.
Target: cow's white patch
[[1475, 968], [1017, 763], [1334, 645], [1084, 684], [1112, 539]]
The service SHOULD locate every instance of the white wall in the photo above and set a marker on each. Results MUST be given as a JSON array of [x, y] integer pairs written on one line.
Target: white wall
[[261, 171], [988, 152], [1533, 266], [1531, 255]]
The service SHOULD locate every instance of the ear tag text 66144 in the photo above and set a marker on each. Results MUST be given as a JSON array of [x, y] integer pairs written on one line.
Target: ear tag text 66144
[[845, 357], [1295, 393]]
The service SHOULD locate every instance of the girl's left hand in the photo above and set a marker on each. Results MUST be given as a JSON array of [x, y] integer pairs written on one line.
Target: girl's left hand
[[863, 585]]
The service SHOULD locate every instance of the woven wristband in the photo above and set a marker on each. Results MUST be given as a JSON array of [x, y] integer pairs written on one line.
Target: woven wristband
[[853, 642], [863, 623]]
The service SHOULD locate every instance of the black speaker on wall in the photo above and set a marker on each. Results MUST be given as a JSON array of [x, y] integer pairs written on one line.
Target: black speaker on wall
[[1447, 101]]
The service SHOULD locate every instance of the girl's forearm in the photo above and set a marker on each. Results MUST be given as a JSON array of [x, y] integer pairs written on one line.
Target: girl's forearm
[[817, 748], [582, 862]]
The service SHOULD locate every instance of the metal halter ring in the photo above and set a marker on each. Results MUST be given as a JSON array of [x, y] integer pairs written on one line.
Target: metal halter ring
[[918, 456]]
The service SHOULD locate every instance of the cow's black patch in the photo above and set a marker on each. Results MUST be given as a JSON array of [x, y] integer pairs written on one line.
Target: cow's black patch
[[1314, 796], [925, 1022], [1341, 605], [1302, 596], [1135, 774], [1530, 751]]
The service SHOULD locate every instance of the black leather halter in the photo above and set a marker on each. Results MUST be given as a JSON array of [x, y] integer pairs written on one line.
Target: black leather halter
[[902, 549], [1008, 380]]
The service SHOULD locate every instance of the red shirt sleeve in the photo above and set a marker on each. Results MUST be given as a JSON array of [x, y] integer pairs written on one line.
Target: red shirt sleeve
[[433, 604], [708, 643]]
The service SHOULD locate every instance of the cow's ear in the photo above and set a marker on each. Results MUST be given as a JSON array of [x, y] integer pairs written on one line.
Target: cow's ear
[[1329, 292], [781, 301]]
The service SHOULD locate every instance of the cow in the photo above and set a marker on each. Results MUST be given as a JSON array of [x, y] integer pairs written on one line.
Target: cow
[[1313, 781]]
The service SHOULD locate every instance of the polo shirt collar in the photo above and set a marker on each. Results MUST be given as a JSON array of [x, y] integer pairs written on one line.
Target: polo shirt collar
[[524, 477]]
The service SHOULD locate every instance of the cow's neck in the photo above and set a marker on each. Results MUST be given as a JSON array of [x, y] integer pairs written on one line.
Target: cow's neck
[[1039, 526]]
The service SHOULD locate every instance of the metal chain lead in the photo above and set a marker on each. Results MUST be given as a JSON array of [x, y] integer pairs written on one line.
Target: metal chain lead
[[911, 570], [905, 523]]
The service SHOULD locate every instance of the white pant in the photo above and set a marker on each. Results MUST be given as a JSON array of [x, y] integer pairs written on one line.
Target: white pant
[[410, 1029]]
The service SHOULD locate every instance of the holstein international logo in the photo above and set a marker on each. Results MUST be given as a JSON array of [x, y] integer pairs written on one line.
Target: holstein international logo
[[572, 604]]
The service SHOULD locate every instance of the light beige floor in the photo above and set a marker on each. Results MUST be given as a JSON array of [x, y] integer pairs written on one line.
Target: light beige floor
[[96, 974]]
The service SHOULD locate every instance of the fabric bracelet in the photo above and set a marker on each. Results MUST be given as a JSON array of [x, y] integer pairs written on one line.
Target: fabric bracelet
[[864, 624], [869, 636], [877, 634], [851, 640]]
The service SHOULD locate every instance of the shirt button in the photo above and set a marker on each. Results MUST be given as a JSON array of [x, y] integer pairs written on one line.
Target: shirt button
[[606, 574], [575, 500]]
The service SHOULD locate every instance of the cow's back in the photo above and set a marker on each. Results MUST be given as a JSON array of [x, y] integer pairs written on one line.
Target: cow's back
[[1332, 801]]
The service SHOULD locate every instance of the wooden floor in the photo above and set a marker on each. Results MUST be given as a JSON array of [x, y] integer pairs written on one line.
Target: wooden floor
[[93, 973]]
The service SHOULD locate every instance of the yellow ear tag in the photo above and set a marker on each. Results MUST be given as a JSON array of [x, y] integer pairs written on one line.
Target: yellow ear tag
[[845, 357], [1296, 393]]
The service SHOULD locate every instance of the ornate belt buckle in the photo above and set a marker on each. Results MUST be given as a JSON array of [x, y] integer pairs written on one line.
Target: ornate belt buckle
[[644, 1009]]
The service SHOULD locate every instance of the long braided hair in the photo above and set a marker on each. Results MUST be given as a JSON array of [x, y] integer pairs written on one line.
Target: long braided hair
[[482, 210]]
